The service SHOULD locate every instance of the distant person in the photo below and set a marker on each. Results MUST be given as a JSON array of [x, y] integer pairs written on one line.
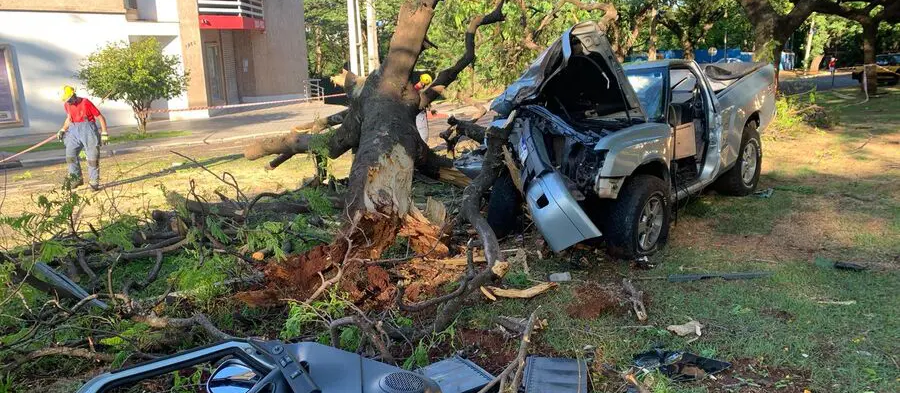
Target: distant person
[[832, 65], [422, 117], [78, 133]]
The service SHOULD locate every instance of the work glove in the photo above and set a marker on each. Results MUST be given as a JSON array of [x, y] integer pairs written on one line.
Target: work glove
[[104, 139], [61, 134]]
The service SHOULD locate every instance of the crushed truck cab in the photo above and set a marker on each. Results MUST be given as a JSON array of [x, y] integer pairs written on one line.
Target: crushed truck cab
[[606, 150]]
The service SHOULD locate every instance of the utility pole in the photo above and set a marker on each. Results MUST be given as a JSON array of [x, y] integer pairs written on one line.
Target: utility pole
[[371, 36], [359, 43], [352, 36]]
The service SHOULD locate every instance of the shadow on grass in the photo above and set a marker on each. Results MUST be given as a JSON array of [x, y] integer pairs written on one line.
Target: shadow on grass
[[171, 170]]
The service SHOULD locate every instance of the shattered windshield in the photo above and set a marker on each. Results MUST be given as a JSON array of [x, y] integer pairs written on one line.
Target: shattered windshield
[[649, 84]]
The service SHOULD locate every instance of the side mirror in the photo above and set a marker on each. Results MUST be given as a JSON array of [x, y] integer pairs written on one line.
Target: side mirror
[[232, 376]]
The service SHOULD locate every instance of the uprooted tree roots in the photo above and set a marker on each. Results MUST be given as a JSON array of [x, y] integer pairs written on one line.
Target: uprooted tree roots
[[379, 126]]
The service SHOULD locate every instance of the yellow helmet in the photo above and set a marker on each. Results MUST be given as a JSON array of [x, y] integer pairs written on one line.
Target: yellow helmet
[[66, 92], [425, 79]]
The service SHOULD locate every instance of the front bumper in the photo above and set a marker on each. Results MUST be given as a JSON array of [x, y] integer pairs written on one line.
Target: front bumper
[[554, 210]]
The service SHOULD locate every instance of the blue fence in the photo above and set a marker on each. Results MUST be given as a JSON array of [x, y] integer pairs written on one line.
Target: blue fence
[[700, 55]]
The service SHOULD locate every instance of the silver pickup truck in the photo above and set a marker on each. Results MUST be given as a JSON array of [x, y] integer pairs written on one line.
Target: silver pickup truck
[[606, 150]]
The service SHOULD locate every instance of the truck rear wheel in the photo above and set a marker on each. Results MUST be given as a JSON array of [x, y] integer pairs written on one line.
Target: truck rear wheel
[[637, 222], [743, 177]]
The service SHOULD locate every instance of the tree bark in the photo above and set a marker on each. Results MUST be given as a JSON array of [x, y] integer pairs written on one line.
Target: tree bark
[[807, 51], [651, 42], [317, 43], [870, 45]]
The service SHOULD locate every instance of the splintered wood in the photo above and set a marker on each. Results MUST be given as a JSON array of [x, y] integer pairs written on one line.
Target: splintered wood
[[494, 292], [453, 176], [424, 237]]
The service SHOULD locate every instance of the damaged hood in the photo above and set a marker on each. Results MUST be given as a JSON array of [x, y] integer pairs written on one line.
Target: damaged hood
[[585, 39]]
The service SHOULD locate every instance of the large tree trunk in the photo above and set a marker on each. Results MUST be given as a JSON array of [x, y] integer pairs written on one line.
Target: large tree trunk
[[688, 48], [870, 37]]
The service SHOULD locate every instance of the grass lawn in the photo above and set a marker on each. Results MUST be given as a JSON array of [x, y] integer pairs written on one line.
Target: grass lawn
[[113, 139], [836, 197]]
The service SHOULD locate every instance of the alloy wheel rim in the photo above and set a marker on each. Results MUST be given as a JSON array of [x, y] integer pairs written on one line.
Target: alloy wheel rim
[[650, 223]]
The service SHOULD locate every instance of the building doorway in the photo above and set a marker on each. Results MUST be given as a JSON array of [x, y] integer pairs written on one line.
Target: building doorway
[[215, 78]]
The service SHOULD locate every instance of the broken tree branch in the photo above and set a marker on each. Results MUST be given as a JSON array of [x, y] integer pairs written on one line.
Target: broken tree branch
[[197, 320], [60, 351], [518, 364], [449, 75], [637, 299]]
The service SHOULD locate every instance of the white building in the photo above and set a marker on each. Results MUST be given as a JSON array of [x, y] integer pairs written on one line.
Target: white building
[[235, 51]]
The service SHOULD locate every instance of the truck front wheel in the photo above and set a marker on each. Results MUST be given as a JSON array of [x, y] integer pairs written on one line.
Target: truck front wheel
[[637, 222], [743, 177]]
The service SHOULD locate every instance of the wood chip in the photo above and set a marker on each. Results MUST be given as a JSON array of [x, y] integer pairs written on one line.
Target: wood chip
[[523, 293], [500, 269], [488, 294], [435, 211]]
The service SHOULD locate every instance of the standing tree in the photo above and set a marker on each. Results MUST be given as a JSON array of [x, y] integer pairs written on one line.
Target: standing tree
[[869, 14], [774, 21], [379, 126], [691, 20], [137, 73]]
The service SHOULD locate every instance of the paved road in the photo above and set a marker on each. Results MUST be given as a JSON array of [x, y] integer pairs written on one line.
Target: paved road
[[212, 131], [821, 82]]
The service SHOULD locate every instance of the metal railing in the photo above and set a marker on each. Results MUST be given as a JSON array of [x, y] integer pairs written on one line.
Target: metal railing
[[248, 8], [314, 90]]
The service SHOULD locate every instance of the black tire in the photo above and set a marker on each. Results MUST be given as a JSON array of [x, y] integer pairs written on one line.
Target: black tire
[[733, 181], [504, 213], [622, 225]]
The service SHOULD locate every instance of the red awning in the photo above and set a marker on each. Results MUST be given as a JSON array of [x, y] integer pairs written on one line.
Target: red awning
[[231, 22]]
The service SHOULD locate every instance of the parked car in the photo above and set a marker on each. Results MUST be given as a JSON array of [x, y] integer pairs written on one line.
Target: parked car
[[729, 60], [606, 151], [888, 69]]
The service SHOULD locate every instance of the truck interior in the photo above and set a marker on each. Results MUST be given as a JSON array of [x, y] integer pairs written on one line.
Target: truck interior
[[687, 114]]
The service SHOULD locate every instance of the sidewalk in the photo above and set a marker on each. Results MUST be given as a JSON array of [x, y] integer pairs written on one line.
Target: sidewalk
[[251, 124]]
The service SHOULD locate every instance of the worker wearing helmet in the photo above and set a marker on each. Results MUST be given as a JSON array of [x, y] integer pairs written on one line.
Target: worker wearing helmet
[[79, 132], [422, 118]]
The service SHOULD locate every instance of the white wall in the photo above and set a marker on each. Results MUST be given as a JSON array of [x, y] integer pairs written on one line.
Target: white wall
[[49, 47], [158, 10]]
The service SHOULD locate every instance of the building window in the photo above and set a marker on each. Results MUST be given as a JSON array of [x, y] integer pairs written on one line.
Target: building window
[[10, 112]]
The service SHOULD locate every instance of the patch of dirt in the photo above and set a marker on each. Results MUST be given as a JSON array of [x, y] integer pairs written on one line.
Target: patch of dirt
[[488, 349], [758, 378], [297, 277], [782, 315], [591, 301]]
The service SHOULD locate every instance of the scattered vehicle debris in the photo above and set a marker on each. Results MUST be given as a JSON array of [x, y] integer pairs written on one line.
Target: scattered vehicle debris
[[850, 266], [585, 130], [838, 302], [457, 375], [724, 276], [556, 375], [560, 277], [767, 193], [273, 366], [678, 365], [690, 327]]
